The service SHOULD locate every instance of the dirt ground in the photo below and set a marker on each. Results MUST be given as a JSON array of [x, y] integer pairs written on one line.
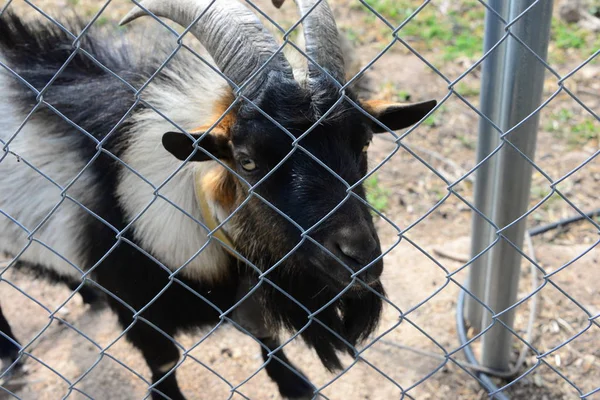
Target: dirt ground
[[415, 284]]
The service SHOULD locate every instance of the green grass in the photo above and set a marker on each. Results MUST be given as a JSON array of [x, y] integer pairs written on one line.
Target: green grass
[[435, 119], [353, 35], [466, 141], [387, 8], [457, 34], [102, 21], [583, 132], [539, 192], [429, 28], [403, 95], [465, 45], [564, 115], [568, 36], [467, 90], [431, 121], [570, 40], [558, 120], [564, 124], [377, 196]]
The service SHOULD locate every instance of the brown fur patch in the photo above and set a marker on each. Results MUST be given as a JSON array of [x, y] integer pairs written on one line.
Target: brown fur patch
[[376, 107], [220, 108], [217, 130], [225, 125], [219, 185]]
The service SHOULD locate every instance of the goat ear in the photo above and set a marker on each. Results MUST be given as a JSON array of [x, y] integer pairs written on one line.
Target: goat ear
[[397, 116], [182, 146]]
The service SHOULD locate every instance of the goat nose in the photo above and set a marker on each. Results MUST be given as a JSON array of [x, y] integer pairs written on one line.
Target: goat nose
[[355, 245]]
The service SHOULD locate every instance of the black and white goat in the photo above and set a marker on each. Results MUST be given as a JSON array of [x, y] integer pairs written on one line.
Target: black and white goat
[[103, 154]]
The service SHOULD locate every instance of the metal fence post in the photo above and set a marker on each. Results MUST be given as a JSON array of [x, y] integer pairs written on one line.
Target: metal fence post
[[491, 87], [523, 87]]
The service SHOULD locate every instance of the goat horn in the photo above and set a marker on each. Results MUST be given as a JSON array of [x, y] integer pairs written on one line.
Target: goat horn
[[322, 39], [232, 34]]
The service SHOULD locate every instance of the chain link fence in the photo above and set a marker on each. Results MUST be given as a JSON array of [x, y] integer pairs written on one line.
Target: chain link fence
[[513, 73]]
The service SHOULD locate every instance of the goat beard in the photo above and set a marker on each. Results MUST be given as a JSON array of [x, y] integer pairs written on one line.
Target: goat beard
[[353, 316]]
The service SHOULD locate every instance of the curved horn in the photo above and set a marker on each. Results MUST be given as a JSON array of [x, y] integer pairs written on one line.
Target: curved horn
[[321, 37], [231, 33]]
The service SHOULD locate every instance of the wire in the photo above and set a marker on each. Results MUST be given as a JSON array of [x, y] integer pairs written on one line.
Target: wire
[[483, 372], [484, 380], [563, 222], [472, 363], [431, 354]]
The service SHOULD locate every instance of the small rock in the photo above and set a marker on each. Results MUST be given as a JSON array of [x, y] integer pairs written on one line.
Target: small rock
[[227, 352], [570, 11], [63, 311], [554, 328], [588, 362]]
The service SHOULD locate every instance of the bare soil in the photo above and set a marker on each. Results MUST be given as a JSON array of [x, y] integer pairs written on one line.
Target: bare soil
[[422, 299]]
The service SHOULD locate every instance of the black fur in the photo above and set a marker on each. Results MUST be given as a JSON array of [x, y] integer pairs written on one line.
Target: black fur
[[338, 142], [81, 95], [89, 294], [95, 100], [8, 350], [292, 384]]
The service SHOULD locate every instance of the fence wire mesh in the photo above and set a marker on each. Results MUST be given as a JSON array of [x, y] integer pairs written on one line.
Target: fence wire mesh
[[423, 379]]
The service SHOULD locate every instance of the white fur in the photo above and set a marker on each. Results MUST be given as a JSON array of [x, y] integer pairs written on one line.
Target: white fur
[[28, 197], [163, 230]]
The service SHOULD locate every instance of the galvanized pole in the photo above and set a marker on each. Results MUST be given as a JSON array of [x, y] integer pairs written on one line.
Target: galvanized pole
[[491, 88], [523, 87]]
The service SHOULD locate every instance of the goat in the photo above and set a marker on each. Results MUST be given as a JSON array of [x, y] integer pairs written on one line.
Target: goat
[[127, 198]]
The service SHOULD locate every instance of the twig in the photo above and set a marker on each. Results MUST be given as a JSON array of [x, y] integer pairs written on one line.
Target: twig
[[431, 354], [451, 256], [565, 325], [589, 92]]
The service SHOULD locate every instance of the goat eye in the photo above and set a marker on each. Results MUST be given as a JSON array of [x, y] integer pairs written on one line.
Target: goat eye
[[248, 164]]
